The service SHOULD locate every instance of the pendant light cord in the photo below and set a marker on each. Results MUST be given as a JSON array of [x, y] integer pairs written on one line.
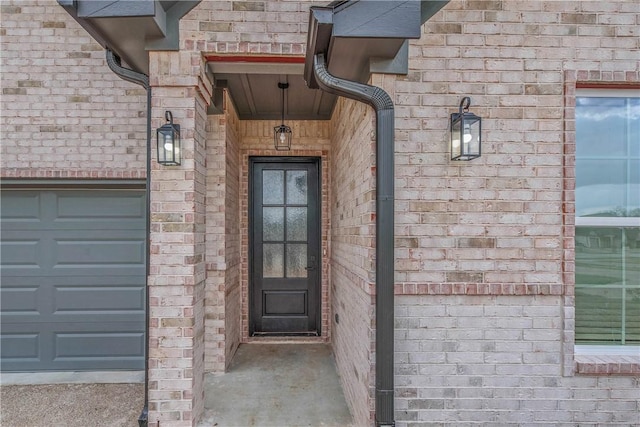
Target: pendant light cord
[[283, 86]]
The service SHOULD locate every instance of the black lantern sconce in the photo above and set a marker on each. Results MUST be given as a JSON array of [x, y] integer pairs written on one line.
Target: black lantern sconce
[[168, 137], [466, 133], [282, 133]]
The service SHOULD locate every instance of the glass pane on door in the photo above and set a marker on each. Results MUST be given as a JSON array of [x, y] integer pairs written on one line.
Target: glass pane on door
[[273, 260], [297, 224], [296, 187], [273, 224], [296, 260], [273, 187]]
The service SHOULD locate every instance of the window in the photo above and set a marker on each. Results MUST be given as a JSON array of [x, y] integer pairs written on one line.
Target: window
[[607, 217]]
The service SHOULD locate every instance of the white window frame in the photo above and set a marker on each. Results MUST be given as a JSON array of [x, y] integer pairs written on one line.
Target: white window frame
[[591, 349]]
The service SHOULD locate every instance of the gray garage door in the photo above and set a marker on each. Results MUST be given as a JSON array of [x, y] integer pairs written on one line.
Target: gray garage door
[[73, 276]]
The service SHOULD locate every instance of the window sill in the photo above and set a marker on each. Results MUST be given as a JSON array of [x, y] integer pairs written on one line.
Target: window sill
[[607, 364]]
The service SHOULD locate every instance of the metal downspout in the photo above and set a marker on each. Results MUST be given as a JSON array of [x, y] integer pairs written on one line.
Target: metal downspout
[[383, 105], [143, 80]]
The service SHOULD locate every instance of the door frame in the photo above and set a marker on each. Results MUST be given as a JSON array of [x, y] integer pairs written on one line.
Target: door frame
[[250, 219]]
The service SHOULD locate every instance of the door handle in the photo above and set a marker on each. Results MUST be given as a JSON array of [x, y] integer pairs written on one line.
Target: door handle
[[313, 264]]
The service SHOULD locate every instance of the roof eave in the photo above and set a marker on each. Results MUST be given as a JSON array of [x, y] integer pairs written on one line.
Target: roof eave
[[131, 29], [360, 37]]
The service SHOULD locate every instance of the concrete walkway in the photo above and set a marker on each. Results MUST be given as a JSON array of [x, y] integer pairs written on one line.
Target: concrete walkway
[[282, 385]]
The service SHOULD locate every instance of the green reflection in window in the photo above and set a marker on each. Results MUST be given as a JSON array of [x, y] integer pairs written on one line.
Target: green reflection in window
[[608, 285]]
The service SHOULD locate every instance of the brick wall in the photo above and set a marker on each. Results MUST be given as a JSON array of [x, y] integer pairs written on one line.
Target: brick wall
[[223, 306], [468, 360], [233, 256], [215, 244], [484, 249], [178, 264], [497, 220], [353, 253], [64, 113], [259, 27]]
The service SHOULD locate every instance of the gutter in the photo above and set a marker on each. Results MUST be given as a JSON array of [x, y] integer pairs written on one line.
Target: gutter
[[143, 80], [383, 105]]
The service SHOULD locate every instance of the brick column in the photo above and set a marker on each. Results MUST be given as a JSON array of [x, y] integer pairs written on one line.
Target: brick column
[[177, 276]]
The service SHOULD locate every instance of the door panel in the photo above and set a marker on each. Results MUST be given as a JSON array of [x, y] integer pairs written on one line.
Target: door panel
[[285, 246]]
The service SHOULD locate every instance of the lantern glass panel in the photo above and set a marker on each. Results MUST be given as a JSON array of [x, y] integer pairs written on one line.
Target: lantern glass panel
[[456, 135], [165, 150], [471, 137]]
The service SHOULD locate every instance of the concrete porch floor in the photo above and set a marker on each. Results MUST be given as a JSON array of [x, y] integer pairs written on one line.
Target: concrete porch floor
[[277, 385]]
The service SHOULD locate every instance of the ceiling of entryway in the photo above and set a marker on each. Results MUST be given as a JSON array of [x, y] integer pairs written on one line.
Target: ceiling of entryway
[[253, 87]]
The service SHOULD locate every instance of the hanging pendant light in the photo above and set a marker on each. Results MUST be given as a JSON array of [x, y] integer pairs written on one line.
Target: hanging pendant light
[[282, 133]]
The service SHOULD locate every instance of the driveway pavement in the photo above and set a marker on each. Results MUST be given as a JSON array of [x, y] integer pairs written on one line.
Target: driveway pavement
[[71, 405]]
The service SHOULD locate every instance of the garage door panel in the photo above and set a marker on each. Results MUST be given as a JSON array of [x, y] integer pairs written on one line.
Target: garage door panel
[[67, 231], [23, 208], [124, 225], [71, 351], [20, 253], [95, 226], [110, 254], [100, 280], [87, 364], [102, 235], [73, 279], [86, 273], [87, 206], [73, 320], [79, 273], [104, 299], [74, 346], [19, 300], [116, 294], [20, 346]]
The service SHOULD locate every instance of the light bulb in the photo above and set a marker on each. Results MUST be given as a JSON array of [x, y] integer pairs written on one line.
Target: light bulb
[[168, 146], [282, 137], [467, 134]]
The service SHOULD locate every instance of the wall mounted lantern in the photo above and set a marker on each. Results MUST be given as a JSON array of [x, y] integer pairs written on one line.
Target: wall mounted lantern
[[168, 137], [282, 133], [465, 133]]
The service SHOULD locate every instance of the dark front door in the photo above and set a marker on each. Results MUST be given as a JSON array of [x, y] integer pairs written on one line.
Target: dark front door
[[284, 246]]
